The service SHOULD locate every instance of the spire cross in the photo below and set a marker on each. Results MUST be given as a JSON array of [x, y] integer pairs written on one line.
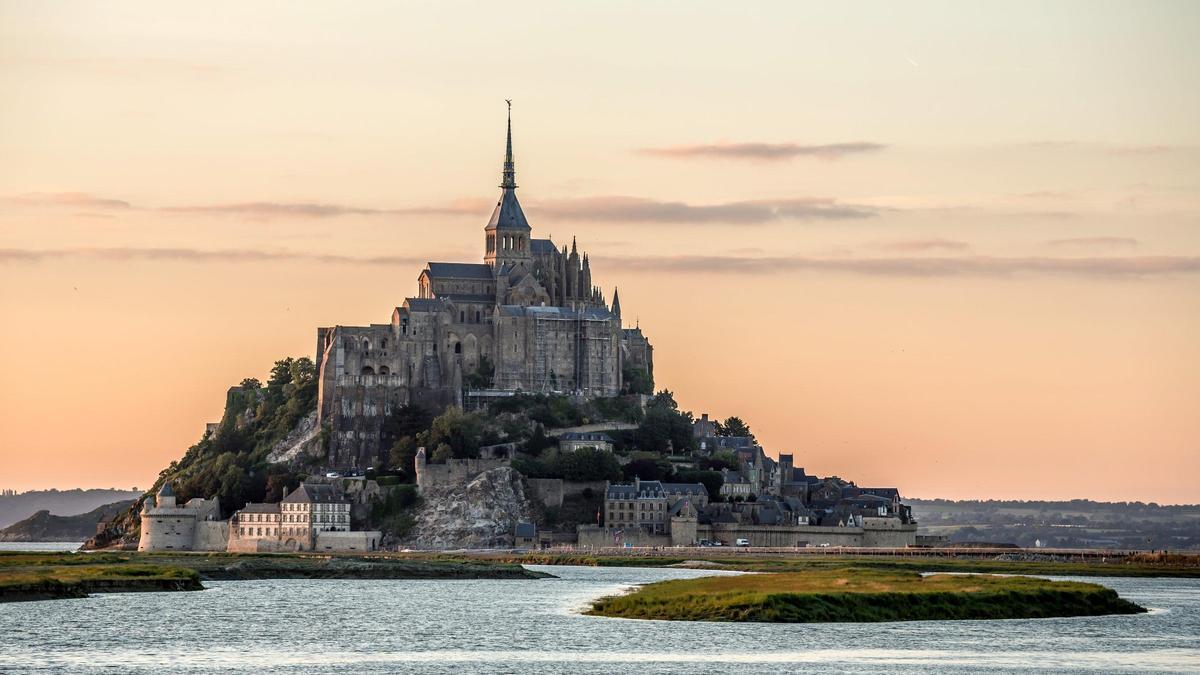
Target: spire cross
[[509, 175]]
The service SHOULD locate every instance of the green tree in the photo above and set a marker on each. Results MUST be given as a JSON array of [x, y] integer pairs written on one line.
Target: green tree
[[711, 480], [404, 421], [482, 377], [587, 464], [734, 426], [637, 380], [463, 432], [665, 426], [402, 455], [442, 453]]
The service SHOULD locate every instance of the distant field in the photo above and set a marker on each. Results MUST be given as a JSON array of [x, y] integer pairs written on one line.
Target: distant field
[[861, 595], [1078, 523]]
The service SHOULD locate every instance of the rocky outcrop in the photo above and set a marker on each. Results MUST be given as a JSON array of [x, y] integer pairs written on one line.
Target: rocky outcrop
[[482, 513], [305, 437]]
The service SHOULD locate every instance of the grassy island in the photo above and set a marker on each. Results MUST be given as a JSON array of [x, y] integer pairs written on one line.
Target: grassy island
[[42, 576], [853, 594]]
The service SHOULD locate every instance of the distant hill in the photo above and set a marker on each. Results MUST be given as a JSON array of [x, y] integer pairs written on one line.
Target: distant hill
[[58, 502], [1078, 523], [42, 526]]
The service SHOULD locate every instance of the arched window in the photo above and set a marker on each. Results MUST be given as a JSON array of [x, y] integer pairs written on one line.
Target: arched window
[[457, 347], [366, 344], [477, 316], [462, 316], [368, 370], [383, 370]]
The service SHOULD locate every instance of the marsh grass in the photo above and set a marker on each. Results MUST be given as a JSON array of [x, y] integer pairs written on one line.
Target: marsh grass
[[861, 595], [29, 576]]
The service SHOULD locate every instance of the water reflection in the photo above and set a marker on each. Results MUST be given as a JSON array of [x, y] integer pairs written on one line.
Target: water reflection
[[534, 626]]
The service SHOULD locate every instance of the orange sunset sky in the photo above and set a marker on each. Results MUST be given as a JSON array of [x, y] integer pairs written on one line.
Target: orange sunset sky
[[952, 247]]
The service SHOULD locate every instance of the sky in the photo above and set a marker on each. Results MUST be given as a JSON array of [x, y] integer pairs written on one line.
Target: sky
[[951, 247]]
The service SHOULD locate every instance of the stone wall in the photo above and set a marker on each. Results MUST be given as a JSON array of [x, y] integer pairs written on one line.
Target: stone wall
[[889, 533], [454, 472], [548, 491], [211, 535], [594, 536], [348, 541]]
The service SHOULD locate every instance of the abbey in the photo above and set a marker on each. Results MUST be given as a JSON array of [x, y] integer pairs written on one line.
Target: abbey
[[528, 318]]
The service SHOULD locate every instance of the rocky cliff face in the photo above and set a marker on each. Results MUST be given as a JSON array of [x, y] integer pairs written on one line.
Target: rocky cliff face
[[480, 514]]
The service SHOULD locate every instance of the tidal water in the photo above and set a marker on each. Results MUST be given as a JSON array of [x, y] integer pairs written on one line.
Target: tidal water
[[535, 627], [40, 546]]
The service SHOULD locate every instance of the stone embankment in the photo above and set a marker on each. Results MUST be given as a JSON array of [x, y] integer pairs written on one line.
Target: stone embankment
[[480, 514]]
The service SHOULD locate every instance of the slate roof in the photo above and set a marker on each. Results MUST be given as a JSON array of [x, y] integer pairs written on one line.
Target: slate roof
[[260, 508], [733, 442], [685, 488], [166, 490], [542, 246], [585, 436], [446, 270], [888, 493], [423, 304], [650, 489], [314, 493], [653, 489], [469, 297], [508, 214]]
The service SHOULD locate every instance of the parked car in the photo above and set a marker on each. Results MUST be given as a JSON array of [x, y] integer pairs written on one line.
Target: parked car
[[743, 543]]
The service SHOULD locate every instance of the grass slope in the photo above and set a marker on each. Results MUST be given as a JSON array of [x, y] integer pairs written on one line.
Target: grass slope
[[860, 595]]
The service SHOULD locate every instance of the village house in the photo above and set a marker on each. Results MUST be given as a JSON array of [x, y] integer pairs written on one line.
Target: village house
[[574, 440]]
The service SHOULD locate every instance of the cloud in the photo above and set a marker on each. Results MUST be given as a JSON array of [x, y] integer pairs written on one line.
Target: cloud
[[1095, 242], [640, 210], [763, 151], [74, 200], [263, 209], [1108, 148], [959, 266], [923, 245], [13, 255], [129, 68], [605, 208], [278, 209]]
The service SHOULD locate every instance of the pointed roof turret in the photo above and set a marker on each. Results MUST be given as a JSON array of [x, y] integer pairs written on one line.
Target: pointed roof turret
[[616, 306]]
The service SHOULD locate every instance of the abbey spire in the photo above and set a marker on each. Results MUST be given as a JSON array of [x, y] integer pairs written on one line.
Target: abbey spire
[[508, 176], [506, 237]]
